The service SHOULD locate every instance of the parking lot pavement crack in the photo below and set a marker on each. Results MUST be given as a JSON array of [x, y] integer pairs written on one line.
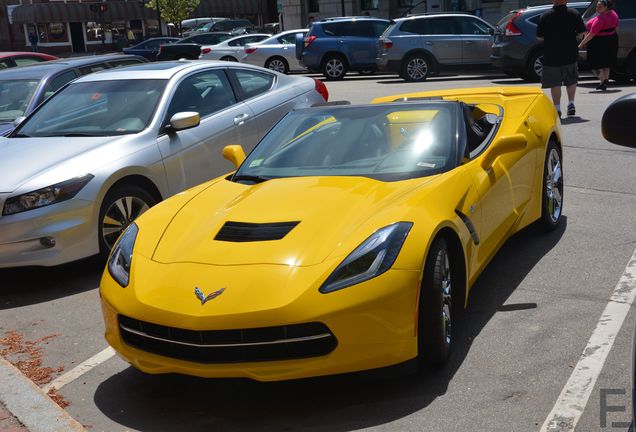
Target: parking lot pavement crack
[[589, 189]]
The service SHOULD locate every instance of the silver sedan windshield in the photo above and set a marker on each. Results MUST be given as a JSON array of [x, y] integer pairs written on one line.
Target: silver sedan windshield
[[15, 97], [100, 108], [384, 142]]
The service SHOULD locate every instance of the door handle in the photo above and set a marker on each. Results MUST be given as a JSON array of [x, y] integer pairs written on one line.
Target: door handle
[[428, 43], [240, 119]]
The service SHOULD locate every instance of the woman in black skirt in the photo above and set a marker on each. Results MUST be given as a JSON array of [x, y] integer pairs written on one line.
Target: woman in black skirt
[[602, 41]]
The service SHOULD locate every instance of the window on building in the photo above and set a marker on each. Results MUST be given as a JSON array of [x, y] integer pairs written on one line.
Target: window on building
[[314, 6], [50, 32], [369, 4], [405, 3]]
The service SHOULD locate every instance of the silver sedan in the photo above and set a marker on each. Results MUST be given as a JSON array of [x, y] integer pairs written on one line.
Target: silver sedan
[[277, 53], [104, 149], [230, 49]]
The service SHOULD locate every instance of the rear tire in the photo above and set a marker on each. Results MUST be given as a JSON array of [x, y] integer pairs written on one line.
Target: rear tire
[[121, 206], [334, 68], [534, 68], [416, 68], [552, 192], [277, 64], [436, 308]]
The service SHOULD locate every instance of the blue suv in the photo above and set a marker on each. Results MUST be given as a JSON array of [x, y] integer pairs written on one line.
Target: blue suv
[[337, 45]]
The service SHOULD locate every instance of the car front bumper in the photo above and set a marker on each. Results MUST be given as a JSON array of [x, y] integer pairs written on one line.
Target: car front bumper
[[373, 322], [48, 236]]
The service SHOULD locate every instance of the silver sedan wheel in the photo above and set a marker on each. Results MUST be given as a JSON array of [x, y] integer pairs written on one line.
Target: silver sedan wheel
[[417, 68], [554, 185], [277, 65], [334, 68], [447, 294], [119, 215]]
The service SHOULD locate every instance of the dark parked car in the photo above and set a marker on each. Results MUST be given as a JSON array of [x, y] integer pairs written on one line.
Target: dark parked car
[[14, 59], [336, 45], [516, 49], [23, 89], [190, 47], [150, 47]]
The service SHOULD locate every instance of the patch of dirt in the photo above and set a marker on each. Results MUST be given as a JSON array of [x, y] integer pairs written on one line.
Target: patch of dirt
[[27, 356]]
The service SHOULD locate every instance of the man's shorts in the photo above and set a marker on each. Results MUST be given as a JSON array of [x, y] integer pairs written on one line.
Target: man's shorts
[[556, 76]]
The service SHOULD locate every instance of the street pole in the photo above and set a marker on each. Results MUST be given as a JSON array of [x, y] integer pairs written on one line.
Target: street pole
[[342, 4], [159, 18]]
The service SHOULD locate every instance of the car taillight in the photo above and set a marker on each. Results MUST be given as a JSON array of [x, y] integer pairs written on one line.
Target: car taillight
[[206, 50], [511, 29], [309, 40], [386, 43], [321, 88], [249, 50]]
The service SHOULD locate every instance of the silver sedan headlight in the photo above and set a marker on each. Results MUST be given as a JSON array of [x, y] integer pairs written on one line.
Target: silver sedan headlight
[[46, 196], [372, 258], [120, 259]]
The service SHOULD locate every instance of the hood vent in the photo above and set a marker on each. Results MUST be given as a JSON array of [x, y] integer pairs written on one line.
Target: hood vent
[[249, 232]]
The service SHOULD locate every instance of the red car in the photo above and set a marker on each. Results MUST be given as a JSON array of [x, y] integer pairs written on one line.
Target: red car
[[13, 59]]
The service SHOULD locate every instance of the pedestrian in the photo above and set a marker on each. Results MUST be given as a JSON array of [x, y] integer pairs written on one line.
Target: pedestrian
[[33, 39], [560, 28], [602, 41]]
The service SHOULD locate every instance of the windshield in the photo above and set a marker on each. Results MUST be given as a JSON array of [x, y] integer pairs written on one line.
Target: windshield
[[101, 108], [385, 142], [15, 97]]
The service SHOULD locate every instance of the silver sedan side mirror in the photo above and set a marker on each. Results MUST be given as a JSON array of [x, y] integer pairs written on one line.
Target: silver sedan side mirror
[[184, 120]]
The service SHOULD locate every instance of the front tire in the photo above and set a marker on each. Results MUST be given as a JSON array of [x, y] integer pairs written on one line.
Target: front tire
[[121, 206], [436, 307], [334, 68], [416, 68], [552, 193]]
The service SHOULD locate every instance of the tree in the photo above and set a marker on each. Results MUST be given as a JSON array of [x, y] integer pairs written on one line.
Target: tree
[[174, 11]]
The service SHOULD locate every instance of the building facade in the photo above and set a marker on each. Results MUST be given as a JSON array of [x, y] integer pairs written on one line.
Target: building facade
[[299, 13], [64, 27]]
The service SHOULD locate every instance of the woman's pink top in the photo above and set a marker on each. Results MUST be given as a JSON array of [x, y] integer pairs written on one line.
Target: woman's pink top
[[603, 24]]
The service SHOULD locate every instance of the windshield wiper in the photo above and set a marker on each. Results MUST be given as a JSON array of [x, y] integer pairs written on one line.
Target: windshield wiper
[[254, 178], [78, 134]]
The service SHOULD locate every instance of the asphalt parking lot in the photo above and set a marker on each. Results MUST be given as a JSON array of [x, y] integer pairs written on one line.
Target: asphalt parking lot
[[530, 317]]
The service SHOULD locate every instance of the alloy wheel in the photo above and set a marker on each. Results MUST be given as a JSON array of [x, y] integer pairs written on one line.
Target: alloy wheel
[[334, 68], [537, 66], [277, 65], [554, 185], [446, 295], [119, 215], [417, 68]]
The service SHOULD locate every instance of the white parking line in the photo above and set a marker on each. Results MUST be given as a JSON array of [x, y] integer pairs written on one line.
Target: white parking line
[[79, 370], [569, 407]]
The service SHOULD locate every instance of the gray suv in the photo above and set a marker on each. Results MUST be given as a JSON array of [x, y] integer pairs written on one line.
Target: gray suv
[[416, 46], [626, 64]]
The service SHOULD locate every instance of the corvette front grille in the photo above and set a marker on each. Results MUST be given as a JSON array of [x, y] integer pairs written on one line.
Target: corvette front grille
[[229, 346]]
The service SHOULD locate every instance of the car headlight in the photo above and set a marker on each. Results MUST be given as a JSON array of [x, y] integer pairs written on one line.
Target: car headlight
[[120, 258], [372, 258], [46, 196]]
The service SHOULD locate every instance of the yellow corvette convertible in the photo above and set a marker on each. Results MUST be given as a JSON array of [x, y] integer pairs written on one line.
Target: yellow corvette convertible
[[347, 240]]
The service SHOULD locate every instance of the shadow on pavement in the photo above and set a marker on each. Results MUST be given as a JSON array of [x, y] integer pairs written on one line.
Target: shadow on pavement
[[573, 120], [337, 403], [443, 78], [32, 285]]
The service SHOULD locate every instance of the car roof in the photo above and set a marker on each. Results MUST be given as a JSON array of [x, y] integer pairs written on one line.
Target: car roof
[[41, 70], [159, 70], [538, 8], [435, 15], [350, 18]]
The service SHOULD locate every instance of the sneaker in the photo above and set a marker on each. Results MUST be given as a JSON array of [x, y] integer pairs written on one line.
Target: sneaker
[[571, 110], [602, 86]]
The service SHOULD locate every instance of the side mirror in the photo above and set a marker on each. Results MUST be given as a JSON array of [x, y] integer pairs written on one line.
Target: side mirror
[[184, 120], [18, 120], [618, 124], [235, 154], [505, 144]]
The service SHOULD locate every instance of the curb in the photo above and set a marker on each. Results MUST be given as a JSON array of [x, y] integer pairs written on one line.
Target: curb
[[30, 405]]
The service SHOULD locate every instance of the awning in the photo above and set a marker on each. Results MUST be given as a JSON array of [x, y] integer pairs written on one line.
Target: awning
[[230, 8], [79, 12]]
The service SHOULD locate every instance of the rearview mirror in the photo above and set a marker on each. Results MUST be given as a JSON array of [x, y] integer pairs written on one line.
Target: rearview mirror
[[618, 124], [235, 154], [184, 120], [505, 144]]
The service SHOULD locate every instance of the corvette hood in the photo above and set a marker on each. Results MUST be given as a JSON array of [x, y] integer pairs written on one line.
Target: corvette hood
[[326, 209]]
